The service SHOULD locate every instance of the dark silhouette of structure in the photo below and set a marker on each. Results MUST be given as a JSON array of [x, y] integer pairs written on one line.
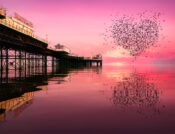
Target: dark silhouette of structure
[[20, 48]]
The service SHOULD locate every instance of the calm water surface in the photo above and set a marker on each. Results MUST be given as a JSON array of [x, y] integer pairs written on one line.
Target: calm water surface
[[108, 100]]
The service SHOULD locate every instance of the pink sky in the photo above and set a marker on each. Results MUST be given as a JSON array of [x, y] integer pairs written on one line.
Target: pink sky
[[79, 24]]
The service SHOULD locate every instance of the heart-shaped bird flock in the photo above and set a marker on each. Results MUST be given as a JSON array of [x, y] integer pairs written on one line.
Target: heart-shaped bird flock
[[135, 35]]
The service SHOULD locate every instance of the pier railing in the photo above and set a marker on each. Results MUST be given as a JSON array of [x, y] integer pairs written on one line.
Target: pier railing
[[7, 23]]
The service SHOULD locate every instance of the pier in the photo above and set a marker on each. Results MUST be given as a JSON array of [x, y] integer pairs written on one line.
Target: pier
[[21, 49]]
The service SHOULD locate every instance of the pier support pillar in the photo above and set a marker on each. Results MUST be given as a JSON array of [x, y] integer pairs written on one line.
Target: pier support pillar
[[38, 61], [1, 69], [44, 64], [7, 67], [28, 64], [57, 62], [1, 58], [20, 66], [90, 63], [53, 64], [15, 63], [25, 62], [7, 59], [35, 59], [101, 63], [97, 64]]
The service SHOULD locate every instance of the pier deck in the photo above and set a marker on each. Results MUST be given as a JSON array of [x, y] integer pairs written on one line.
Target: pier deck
[[21, 49]]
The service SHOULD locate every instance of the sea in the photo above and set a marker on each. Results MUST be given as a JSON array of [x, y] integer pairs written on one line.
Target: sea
[[112, 99]]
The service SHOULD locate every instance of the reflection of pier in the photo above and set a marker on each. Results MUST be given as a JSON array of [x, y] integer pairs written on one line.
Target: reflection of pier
[[18, 83], [16, 104], [21, 49], [17, 91]]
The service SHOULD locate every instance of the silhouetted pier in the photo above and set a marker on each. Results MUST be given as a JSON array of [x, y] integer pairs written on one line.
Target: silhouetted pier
[[20, 49]]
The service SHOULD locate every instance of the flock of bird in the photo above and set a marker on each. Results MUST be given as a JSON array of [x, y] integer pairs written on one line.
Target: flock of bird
[[135, 34]]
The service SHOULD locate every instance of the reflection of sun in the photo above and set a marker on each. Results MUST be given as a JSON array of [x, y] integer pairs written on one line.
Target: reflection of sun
[[117, 75], [116, 64]]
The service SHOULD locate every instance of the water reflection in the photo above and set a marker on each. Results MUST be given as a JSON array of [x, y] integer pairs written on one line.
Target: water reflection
[[67, 100], [17, 91], [16, 105], [140, 92]]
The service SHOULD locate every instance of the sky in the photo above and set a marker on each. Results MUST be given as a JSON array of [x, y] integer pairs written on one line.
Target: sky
[[80, 25]]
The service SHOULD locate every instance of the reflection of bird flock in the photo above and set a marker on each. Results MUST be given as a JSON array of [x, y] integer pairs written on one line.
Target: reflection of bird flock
[[137, 91], [135, 35]]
